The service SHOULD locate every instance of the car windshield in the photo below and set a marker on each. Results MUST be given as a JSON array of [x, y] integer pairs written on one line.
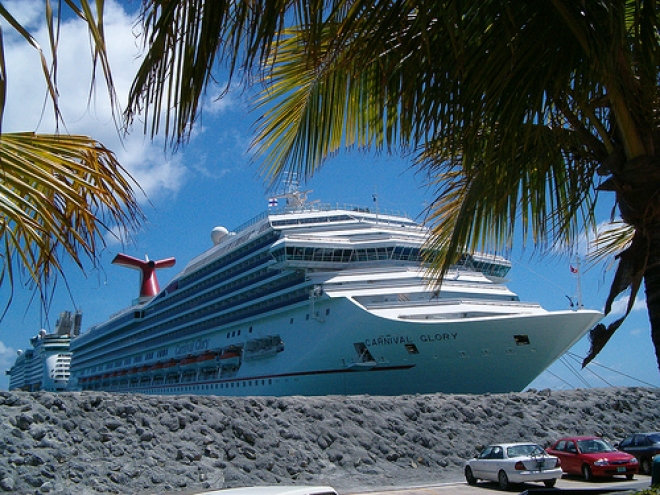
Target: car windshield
[[524, 450], [594, 445]]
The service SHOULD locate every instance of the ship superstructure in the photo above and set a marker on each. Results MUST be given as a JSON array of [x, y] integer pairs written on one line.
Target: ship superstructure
[[312, 299], [45, 365]]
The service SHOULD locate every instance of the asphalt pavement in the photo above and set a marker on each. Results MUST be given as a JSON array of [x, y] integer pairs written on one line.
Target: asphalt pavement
[[566, 485]]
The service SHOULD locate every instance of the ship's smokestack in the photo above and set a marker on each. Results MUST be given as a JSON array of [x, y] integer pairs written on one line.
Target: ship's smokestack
[[148, 282]]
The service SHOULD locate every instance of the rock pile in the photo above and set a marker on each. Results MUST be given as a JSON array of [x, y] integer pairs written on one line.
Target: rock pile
[[88, 443]]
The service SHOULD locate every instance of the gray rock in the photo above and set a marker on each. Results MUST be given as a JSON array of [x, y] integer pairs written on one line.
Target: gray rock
[[7, 484], [89, 443]]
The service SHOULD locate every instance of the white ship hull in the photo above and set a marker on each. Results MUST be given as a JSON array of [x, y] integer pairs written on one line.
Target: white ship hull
[[319, 358], [323, 302]]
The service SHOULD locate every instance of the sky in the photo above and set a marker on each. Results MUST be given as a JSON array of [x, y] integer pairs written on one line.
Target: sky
[[212, 181]]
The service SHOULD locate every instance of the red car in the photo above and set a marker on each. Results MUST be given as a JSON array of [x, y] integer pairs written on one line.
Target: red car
[[593, 457]]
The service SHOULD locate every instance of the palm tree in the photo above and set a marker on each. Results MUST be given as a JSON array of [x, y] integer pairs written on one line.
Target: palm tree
[[59, 193], [521, 113]]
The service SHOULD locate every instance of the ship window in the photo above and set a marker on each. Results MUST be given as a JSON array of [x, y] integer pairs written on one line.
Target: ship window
[[291, 321], [521, 339], [412, 349], [239, 332], [327, 311], [250, 330], [307, 316]]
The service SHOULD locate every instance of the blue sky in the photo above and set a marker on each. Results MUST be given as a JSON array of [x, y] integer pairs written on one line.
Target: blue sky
[[212, 182]]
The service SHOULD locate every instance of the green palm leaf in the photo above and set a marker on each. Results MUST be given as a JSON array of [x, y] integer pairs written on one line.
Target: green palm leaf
[[58, 195]]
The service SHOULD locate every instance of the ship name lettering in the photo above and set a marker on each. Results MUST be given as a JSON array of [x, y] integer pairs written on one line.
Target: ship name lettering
[[438, 337], [387, 340], [188, 347]]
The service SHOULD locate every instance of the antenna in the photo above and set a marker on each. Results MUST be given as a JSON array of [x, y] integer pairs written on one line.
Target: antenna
[[579, 283], [577, 270]]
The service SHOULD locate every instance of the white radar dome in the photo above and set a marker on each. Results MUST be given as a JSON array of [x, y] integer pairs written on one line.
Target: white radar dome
[[217, 234]]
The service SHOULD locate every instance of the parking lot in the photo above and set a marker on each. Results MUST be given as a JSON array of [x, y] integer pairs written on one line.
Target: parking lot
[[566, 484]]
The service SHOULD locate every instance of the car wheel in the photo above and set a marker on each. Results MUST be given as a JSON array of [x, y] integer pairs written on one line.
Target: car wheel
[[550, 483], [586, 472], [645, 465], [503, 480], [469, 476]]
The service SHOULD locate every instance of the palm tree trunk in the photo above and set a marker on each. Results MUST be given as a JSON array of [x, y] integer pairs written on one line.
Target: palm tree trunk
[[652, 288]]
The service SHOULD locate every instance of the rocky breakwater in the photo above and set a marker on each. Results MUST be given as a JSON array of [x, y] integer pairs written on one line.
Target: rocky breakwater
[[88, 443]]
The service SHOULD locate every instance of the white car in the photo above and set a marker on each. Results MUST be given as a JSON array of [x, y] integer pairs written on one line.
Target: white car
[[508, 463]]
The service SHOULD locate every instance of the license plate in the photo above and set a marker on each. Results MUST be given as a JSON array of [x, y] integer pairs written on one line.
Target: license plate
[[621, 470]]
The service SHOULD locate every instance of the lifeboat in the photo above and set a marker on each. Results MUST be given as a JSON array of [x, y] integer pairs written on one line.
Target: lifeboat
[[156, 367], [188, 360], [206, 359], [230, 357]]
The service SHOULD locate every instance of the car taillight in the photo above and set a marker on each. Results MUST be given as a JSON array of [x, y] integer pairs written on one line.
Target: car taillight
[[519, 466]]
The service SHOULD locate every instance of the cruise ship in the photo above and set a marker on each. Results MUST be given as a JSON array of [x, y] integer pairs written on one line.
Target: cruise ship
[[45, 366], [313, 299]]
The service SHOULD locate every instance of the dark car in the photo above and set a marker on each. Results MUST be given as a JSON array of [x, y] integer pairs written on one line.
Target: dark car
[[593, 457], [643, 446]]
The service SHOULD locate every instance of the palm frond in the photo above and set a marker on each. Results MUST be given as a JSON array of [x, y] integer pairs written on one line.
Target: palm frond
[[185, 40], [59, 194]]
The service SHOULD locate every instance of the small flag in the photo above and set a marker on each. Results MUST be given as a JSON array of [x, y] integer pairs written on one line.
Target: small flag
[[573, 269], [272, 202]]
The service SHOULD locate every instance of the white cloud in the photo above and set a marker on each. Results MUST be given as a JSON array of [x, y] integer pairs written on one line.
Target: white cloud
[[29, 13], [7, 357], [28, 109], [639, 331], [620, 305], [221, 103]]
